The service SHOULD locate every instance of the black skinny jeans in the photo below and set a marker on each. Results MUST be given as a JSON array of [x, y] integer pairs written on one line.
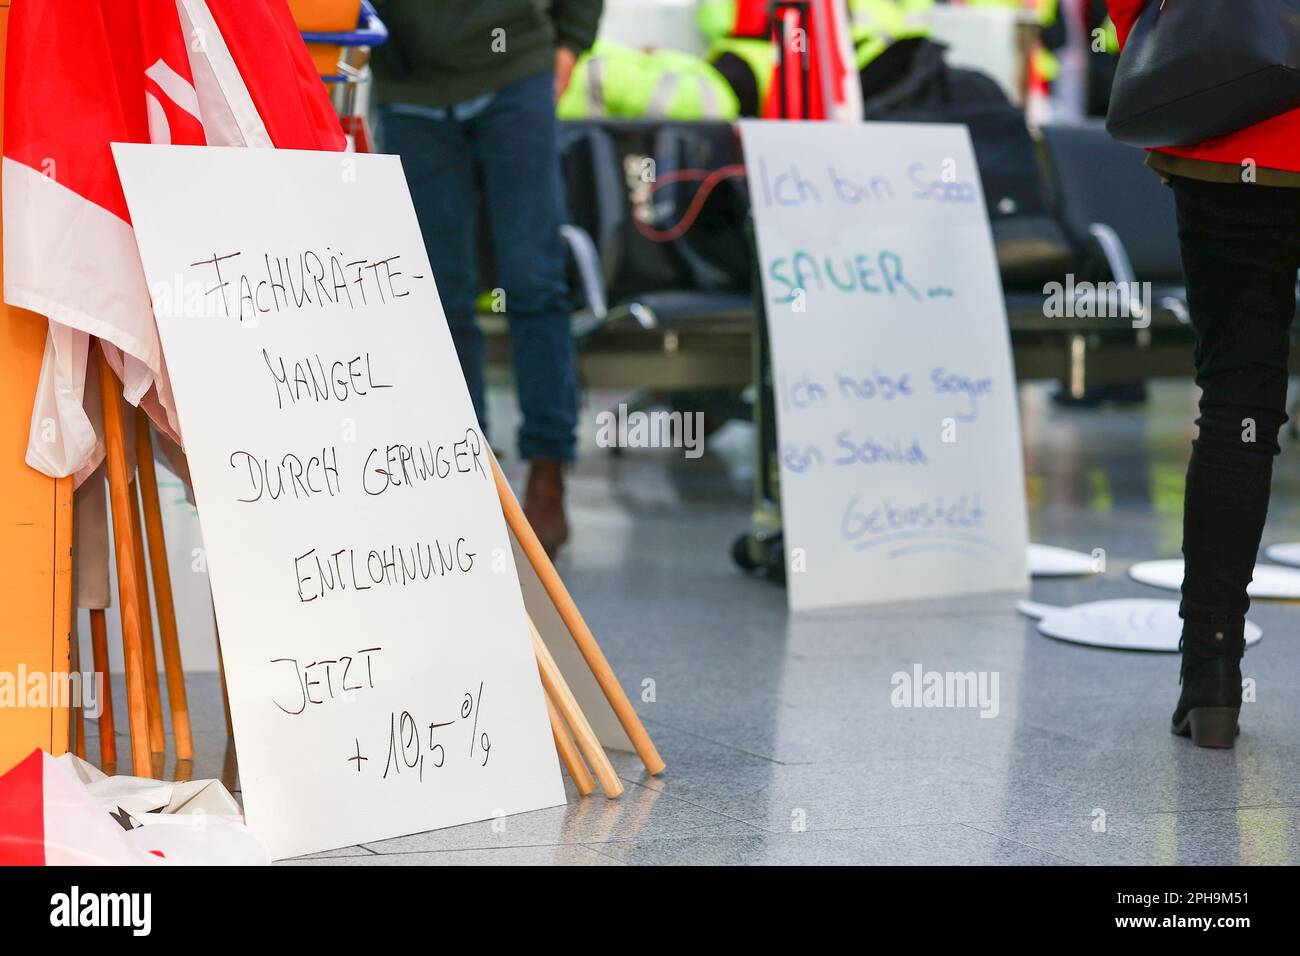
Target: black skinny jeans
[[1241, 250]]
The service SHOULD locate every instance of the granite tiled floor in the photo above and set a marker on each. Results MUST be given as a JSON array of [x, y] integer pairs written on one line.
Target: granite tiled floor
[[781, 742]]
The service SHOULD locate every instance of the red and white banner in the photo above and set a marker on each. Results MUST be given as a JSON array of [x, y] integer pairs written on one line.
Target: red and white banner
[[817, 34], [50, 819], [79, 75], [64, 812]]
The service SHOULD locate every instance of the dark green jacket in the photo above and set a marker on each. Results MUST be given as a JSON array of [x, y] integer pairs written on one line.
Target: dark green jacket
[[441, 52]]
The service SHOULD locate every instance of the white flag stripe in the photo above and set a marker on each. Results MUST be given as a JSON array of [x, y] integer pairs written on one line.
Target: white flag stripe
[[160, 131], [177, 88], [106, 295], [211, 62]]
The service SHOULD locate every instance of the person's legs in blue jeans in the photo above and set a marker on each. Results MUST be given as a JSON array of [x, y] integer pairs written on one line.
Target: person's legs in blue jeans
[[438, 160], [510, 136], [515, 145]]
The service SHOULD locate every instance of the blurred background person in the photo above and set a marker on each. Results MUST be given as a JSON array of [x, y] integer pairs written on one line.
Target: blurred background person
[[467, 91]]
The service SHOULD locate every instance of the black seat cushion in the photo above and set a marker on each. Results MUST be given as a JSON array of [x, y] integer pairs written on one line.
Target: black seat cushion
[[1095, 179]]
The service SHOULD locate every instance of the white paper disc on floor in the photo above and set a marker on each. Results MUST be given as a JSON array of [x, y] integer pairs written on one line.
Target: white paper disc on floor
[[1284, 553], [1049, 561], [1035, 610], [1131, 624], [1270, 581]]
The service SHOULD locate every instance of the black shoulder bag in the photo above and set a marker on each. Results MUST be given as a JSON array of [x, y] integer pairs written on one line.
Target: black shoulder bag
[[1192, 70]]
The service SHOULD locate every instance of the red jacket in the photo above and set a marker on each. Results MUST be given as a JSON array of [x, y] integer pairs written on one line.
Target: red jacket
[[1273, 144]]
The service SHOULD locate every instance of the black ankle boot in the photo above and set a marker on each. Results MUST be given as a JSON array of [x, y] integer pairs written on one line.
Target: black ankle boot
[[1211, 677]]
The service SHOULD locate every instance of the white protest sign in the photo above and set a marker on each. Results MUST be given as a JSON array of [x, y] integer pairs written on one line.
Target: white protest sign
[[899, 440], [381, 674]]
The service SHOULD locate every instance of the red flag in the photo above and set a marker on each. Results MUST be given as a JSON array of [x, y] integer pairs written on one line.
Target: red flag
[[22, 841], [278, 71], [61, 812], [48, 818], [81, 74], [815, 36]]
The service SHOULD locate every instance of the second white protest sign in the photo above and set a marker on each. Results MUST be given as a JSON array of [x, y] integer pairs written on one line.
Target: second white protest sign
[[899, 437]]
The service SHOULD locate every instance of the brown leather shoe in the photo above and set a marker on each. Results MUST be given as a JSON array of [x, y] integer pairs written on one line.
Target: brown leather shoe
[[544, 503]]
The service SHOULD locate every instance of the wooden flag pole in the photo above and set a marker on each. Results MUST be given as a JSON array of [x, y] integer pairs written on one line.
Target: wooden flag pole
[[221, 672], [128, 587], [558, 691], [572, 618], [157, 735], [78, 710], [162, 588], [99, 652], [79, 728], [568, 751]]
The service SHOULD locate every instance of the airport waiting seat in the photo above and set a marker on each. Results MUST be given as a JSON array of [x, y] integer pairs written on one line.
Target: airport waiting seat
[[664, 315], [1118, 213], [1032, 248], [1120, 219], [606, 166]]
